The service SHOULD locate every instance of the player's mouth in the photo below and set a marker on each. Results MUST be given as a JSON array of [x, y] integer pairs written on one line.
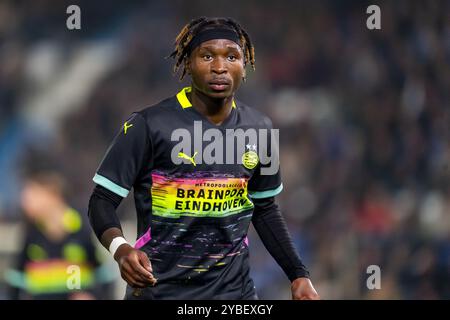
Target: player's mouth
[[219, 85]]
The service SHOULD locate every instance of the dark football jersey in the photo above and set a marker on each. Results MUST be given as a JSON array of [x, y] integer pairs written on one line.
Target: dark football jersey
[[193, 213], [44, 265]]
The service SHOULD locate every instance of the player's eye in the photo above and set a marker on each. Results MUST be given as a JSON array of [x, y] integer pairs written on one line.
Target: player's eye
[[232, 58], [207, 57]]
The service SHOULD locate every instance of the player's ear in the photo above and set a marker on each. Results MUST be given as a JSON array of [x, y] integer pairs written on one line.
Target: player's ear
[[244, 74]]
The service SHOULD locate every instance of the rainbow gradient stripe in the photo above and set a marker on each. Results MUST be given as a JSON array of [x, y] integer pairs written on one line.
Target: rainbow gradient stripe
[[199, 196], [51, 276]]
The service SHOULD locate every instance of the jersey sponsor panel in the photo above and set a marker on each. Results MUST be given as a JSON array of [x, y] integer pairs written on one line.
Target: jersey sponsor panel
[[199, 195]]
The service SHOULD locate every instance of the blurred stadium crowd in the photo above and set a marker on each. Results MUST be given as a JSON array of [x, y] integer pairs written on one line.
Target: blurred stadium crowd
[[363, 116]]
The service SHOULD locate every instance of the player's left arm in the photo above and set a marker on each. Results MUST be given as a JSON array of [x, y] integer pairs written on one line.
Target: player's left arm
[[272, 229], [268, 221]]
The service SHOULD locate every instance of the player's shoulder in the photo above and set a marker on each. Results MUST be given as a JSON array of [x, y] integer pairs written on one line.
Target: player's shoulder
[[161, 109], [253, 116]]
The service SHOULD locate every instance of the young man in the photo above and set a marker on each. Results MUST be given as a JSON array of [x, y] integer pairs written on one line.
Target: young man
[[195, 195], [55, 240]]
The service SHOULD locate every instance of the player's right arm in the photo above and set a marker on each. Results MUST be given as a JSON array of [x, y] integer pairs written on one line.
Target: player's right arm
[[116, 175], [135, 267]]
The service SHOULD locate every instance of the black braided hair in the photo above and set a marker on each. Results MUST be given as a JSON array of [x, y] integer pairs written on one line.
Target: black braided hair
[[180, 54]]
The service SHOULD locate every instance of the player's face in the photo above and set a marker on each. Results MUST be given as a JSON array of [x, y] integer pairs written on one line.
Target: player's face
[[36, 200], [217, 67]]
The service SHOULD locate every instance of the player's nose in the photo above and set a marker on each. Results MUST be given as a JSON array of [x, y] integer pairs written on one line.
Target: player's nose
[[218, 66]]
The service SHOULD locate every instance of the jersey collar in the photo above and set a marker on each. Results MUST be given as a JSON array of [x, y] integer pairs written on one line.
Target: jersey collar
[[184, 101]]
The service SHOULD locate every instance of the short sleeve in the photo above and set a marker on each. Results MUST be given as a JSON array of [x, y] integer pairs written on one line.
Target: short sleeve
[[125, 157], [266, 180]]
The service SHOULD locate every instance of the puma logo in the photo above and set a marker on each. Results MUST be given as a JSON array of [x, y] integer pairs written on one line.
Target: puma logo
[[126, 126], [185, 156]]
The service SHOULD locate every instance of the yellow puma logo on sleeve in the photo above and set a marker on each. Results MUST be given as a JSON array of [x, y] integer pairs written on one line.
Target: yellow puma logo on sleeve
[[185, 156], [126, 126]]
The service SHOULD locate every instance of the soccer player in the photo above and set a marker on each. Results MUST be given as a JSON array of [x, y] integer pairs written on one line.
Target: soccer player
[[55, 241], [194, 213]]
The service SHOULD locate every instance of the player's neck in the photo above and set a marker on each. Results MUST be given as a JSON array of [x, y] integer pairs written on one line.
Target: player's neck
[[216, 110]]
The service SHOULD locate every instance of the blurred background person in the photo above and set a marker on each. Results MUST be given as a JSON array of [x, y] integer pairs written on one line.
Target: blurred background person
[[54, 239]]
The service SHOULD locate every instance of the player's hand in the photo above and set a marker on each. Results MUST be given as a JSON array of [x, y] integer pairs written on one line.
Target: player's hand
[[135, 267], [302, 289]]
